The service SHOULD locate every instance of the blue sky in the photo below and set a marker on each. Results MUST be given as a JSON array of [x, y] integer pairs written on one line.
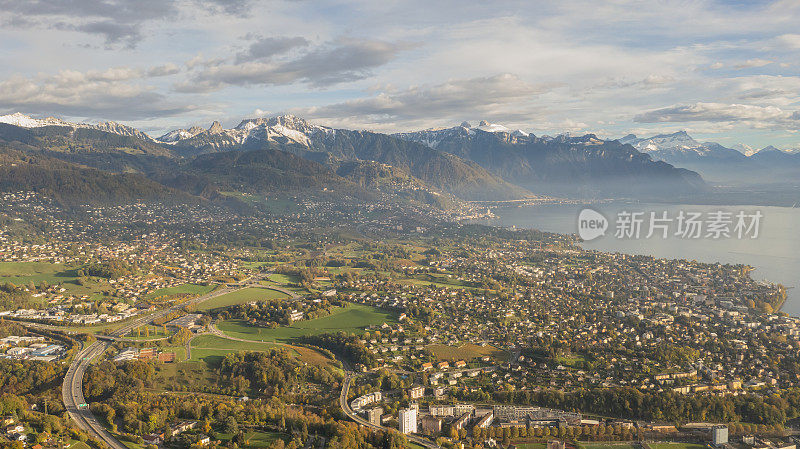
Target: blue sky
[[724, 71]]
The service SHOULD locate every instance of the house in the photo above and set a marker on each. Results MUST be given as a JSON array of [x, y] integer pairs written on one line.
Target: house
[[416, 392], [426, 366], [14, 428], [204, 441], [431, 425], [152, 438], [183, 427]]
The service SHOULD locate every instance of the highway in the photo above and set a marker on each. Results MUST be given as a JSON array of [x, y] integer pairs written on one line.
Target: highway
[[72, 387], [78, 409]]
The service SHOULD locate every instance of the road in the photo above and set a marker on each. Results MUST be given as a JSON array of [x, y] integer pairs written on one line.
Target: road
[[72, 387], [348, 379]]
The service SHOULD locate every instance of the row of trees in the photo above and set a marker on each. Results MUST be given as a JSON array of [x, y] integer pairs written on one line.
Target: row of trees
[[661, 406]]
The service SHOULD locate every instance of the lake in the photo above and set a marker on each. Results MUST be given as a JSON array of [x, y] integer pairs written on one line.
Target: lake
[[774, 253]]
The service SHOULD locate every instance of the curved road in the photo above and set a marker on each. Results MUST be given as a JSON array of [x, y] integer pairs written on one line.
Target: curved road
[[72, 387], [78, 409], [348, 379]]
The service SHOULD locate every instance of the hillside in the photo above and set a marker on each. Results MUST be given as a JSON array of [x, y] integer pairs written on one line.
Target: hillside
[[448, 173], [563, 165], [69, 139], [71, 184]]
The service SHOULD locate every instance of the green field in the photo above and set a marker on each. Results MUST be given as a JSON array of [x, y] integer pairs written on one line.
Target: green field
[[588, 445], [214, 342], [24, 272], [20, 273], [676, 446], [354, 318], [240, 297], [75, 444], [184, 289], [256, 438], [191, 374], [531, 445]]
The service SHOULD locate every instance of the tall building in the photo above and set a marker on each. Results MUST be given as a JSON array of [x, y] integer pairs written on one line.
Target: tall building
[[416, 392], [374, 415], [719, 435], [408, 420]]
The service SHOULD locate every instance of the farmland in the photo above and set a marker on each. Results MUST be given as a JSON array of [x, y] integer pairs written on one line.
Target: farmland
[[242, 296], [354, 318]]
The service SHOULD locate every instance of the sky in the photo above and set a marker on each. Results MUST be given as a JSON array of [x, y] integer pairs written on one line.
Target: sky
[[725, 71]]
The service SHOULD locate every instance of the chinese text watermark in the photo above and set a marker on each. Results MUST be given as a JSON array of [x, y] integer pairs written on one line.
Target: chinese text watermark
[[682, 224]]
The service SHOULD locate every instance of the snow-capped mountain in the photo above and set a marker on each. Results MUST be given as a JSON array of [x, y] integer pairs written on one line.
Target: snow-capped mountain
[[26, 121], [747, 150], [682, 150], [679, 142], [282, 129], [563, 163], [433, 136], [717, 162]]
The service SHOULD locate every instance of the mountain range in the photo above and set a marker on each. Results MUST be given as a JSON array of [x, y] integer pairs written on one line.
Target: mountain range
[[716, 163], [562, 165], [435, 166]]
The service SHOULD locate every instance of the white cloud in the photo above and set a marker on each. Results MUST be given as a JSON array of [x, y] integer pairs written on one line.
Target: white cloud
[[495, 97], [754, 116], [755, 62], [116, 93], [789, 40], [336, 62]]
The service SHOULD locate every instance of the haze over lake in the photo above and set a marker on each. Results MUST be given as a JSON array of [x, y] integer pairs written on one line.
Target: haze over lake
[[775, 253]]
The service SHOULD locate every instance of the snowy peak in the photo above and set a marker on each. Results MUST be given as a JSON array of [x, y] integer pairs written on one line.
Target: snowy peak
[[279, 129], [26, 121], [680, 142], [492, 127], [747, 150], [432, 137], [122, 130]]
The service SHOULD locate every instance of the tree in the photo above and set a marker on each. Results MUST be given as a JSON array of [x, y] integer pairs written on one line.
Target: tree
[[231, 426]]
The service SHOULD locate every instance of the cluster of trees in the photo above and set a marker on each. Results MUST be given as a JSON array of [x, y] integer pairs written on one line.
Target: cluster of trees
[[12, 297], [346, 345], [662, 406], [278, 312], [271, 373], [26, 377], [120, 399], [109, 269]]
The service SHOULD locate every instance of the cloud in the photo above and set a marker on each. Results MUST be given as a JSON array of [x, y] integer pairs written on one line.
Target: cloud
[[751, 115], [756, 62], [485, 97], [789, 40], [651, 81], [163, 70], [234, 7], [101, 94], [118, 22], [267, 47], [333, 63]]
